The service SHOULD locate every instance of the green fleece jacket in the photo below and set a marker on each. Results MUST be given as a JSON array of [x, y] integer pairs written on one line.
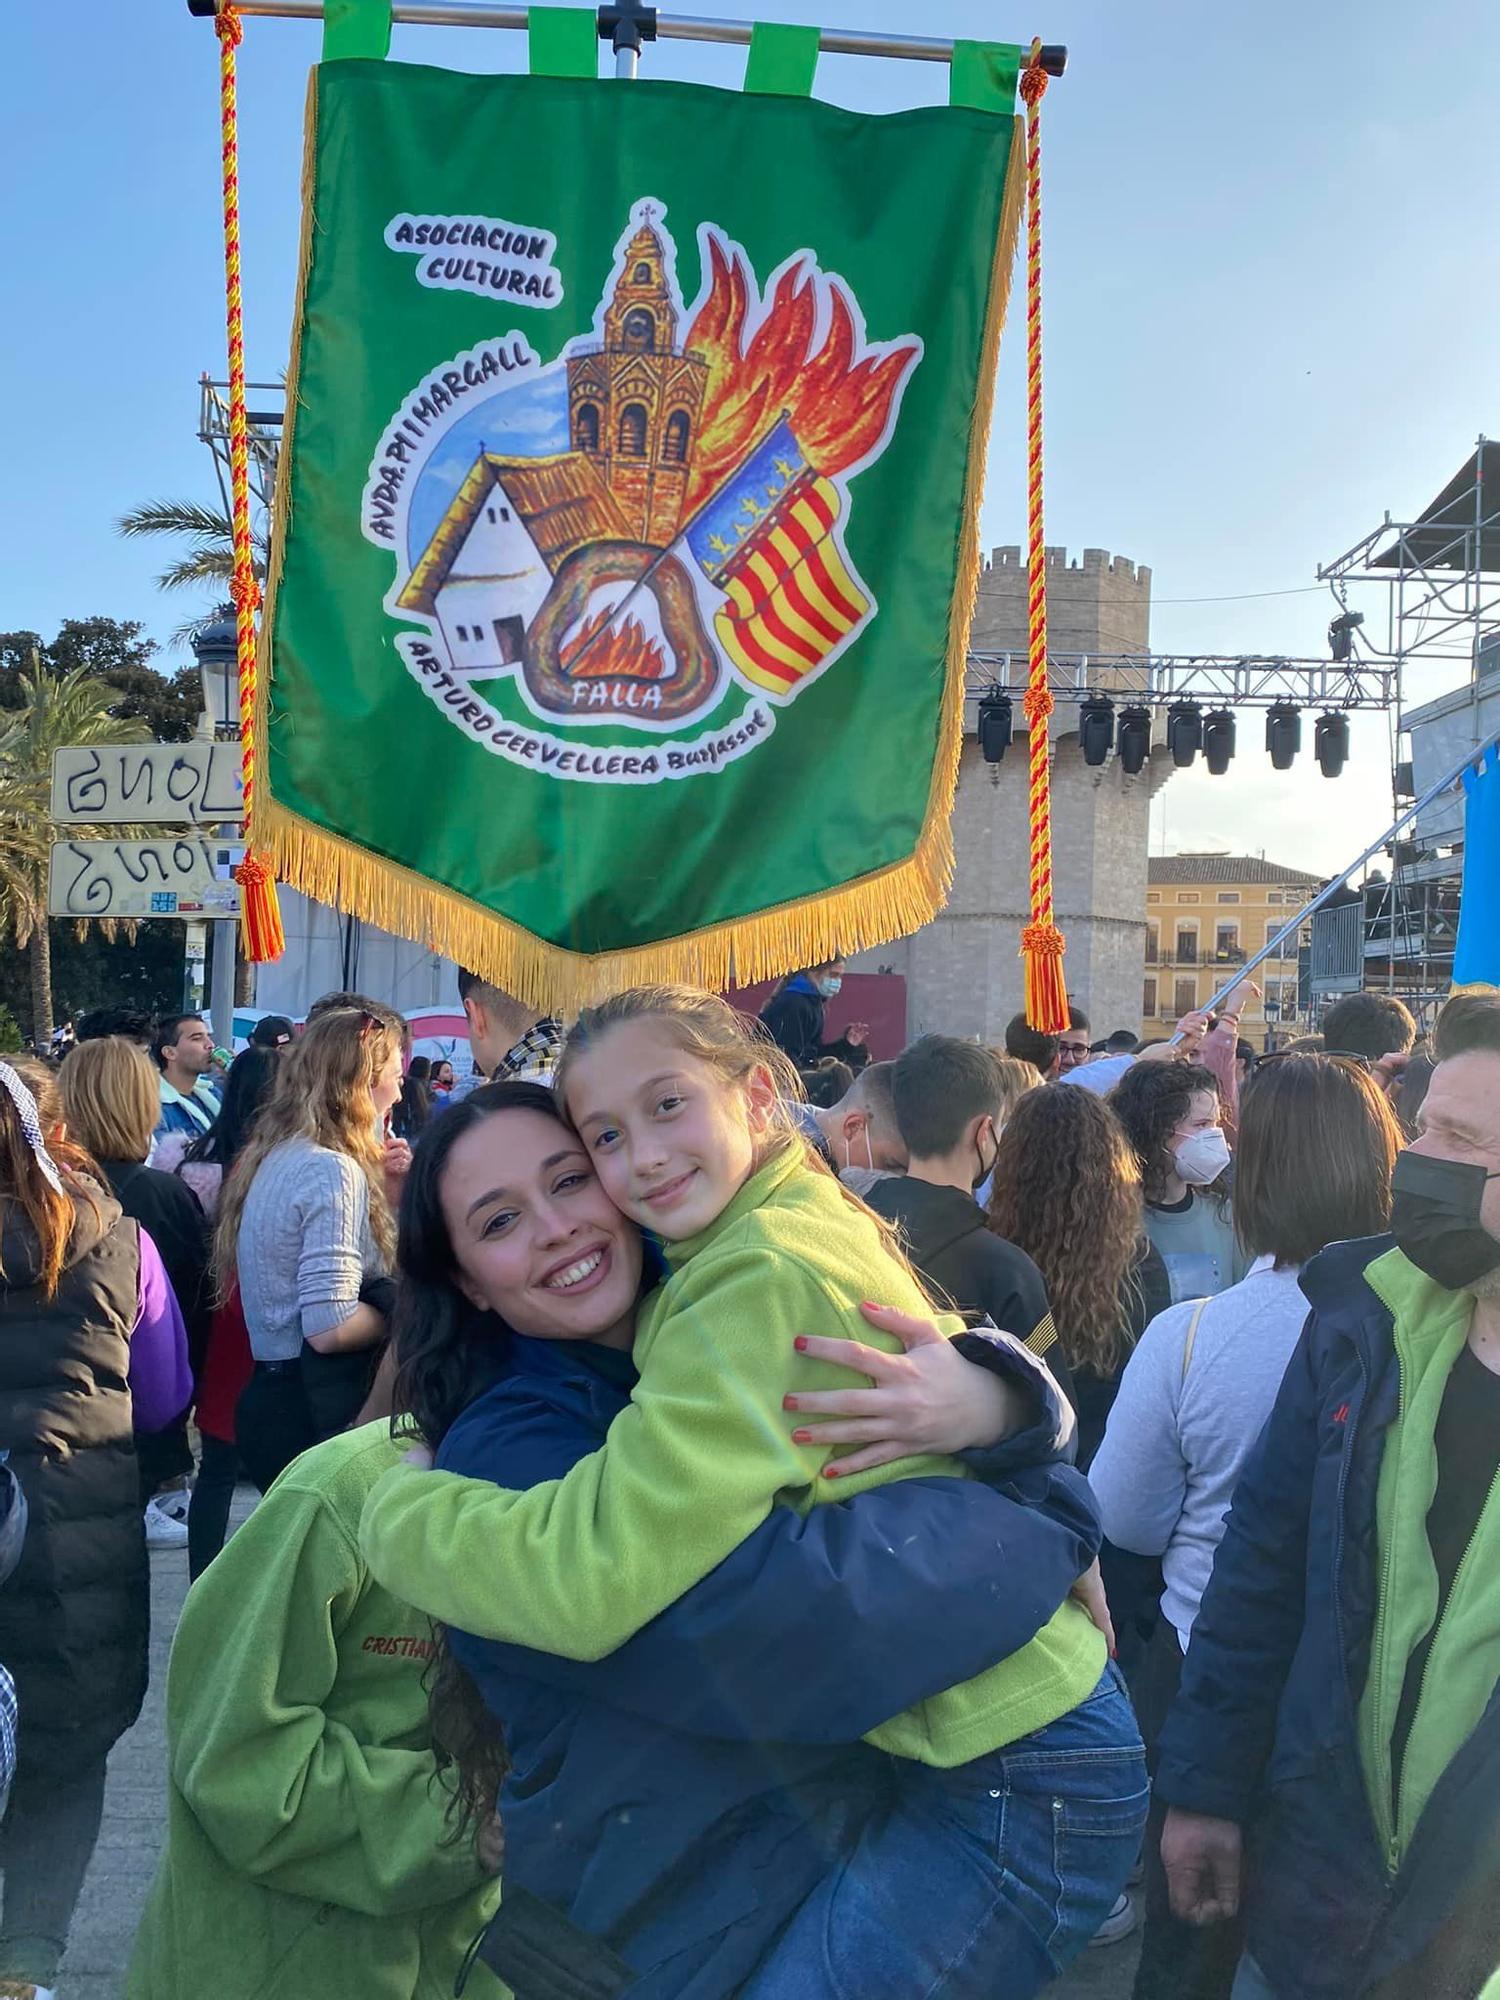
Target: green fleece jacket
[[1431, 1326], [697, 1461], [305, 1852]]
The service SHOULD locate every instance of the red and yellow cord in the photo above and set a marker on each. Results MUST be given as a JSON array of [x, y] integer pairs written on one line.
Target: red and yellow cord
[[260, 912], [1042, 942]]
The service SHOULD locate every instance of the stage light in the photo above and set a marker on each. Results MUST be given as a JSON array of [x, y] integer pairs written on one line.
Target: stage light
[[1341, 635], [1283, 733], [1133, 740], [1096, 728], [1331, 743], [996, 725], [1184, 732], [1218, 740]]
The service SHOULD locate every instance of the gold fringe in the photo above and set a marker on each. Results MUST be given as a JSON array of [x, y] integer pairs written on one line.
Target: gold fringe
[[890, 902]]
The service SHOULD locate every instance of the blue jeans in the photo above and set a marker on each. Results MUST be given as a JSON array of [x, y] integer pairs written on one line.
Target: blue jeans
[[980, 1883], [1250, 1982]]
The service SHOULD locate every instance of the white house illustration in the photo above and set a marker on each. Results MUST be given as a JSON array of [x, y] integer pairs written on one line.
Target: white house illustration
[[490, 563]]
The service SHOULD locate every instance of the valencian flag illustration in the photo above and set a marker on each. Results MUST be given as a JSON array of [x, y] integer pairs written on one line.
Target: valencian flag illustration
[[626, 541]]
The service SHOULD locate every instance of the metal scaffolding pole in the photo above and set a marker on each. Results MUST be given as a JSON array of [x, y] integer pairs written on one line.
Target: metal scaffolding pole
[[1273, 945]]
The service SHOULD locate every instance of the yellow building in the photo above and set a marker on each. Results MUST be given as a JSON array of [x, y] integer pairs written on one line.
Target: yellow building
[[1208, 913]]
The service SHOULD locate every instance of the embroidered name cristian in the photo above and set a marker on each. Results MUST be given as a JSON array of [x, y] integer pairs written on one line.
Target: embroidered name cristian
[[400, 1643]]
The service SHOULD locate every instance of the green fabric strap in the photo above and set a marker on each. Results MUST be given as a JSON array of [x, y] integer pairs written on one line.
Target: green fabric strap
[[782, 60], [564, 41], [982, 76], [356, 28]]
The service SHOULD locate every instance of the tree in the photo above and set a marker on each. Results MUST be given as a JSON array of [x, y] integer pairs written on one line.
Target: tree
[[76, 708], [207, 562], [115, 651]]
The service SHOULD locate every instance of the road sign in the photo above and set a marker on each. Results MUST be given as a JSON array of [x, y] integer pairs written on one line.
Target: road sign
[[172, 784], [188, 877]]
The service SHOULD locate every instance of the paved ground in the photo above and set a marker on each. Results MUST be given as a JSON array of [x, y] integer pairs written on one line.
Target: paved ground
[[135, 1817]]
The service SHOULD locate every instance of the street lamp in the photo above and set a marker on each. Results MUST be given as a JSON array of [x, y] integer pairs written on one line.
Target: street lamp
[[215, 646]]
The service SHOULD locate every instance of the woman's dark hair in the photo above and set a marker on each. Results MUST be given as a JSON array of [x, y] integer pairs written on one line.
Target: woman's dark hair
[[827, 1083], [447, 1353], [420, 1067], [1318, 1140], [245, 1090], [412, 1109], [1151, 1100]]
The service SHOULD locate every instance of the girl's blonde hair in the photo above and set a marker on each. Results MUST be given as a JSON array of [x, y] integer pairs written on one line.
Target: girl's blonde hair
[[322, 1090], [1016, 1078], [50, 1214], [706, 1026], [111, 1098]]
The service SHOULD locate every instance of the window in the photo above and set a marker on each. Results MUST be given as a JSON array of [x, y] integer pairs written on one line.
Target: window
[[1271, 929], [1184, 997], [1273, 895], [642, 275], [674, 446], [490, 515], [587, 427], [1227, 942], [1153, 895], [640, 331], [1229, 895], [1187, 945], [1148, 999], [463, 632], [633, 431], [1187, 896], [1151, 951]]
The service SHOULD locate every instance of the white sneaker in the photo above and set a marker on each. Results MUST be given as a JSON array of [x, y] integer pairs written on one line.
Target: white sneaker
[[1121, 1921], [163, 1530], [174, 1502], [23, 1989]]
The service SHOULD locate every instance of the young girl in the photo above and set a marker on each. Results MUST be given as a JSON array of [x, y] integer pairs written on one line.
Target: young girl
[[680, 1108]]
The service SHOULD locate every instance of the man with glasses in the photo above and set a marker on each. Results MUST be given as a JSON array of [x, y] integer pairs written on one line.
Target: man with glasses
[[1073, 1046], [1340, 1702]]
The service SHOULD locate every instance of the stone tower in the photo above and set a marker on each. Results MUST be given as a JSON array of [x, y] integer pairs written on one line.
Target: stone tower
[[963, 971], [634, 404]]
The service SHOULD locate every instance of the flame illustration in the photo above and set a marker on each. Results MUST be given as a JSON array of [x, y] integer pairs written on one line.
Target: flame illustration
[[838, 401], [625, 652]]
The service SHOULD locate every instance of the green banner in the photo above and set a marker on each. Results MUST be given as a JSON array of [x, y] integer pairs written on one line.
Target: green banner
[[626, 534]]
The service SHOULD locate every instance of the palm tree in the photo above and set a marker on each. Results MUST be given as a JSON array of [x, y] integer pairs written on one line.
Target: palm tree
[[208, 560], [73, 710]]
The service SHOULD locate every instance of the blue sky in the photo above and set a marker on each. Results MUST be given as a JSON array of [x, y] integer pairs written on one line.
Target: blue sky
[[1270, 310]]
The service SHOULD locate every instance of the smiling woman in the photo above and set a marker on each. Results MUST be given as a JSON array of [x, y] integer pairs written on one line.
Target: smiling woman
[[678, 1108]]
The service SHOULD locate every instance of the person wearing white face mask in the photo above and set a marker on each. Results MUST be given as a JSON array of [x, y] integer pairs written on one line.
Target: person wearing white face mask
[[793, 1018], [1171, 1114], [860, 1132]]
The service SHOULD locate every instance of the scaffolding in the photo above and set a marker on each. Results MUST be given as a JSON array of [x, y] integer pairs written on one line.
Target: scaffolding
[[1436, 619]]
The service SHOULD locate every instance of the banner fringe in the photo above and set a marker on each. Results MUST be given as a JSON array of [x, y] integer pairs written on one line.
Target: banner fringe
[[889, 903]]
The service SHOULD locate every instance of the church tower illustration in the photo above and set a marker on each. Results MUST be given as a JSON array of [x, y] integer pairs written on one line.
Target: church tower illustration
[[634, 403]]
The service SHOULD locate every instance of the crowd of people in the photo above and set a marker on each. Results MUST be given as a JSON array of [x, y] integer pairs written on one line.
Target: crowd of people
[[812, 1527]]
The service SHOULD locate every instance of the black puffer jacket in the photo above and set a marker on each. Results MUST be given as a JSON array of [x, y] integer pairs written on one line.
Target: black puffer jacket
[[75, 1617]]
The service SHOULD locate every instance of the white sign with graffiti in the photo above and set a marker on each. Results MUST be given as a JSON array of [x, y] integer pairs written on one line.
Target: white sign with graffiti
[[143, 878], [161, 783]]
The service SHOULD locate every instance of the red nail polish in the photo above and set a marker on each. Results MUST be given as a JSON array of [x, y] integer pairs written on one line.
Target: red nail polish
[[871, 1306], [800, 1343], [830, 1472], [789, 1402], [801, 1437]]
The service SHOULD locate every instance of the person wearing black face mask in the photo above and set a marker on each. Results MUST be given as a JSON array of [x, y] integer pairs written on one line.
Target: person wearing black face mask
[[1339, 1699], [948, 1096]]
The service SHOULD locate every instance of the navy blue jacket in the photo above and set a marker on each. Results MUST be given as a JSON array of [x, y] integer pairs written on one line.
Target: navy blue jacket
[[683, 1797], [1264, 1730]]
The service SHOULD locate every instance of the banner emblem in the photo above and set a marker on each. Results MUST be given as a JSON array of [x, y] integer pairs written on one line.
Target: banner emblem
[[646, 524]]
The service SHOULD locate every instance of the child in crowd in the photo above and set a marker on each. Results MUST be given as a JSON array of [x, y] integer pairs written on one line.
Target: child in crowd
[[682, 1110]]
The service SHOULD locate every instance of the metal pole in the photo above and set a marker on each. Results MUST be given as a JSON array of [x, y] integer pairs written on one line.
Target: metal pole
[[669, 27], [221, 1003], [1274, 944]]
